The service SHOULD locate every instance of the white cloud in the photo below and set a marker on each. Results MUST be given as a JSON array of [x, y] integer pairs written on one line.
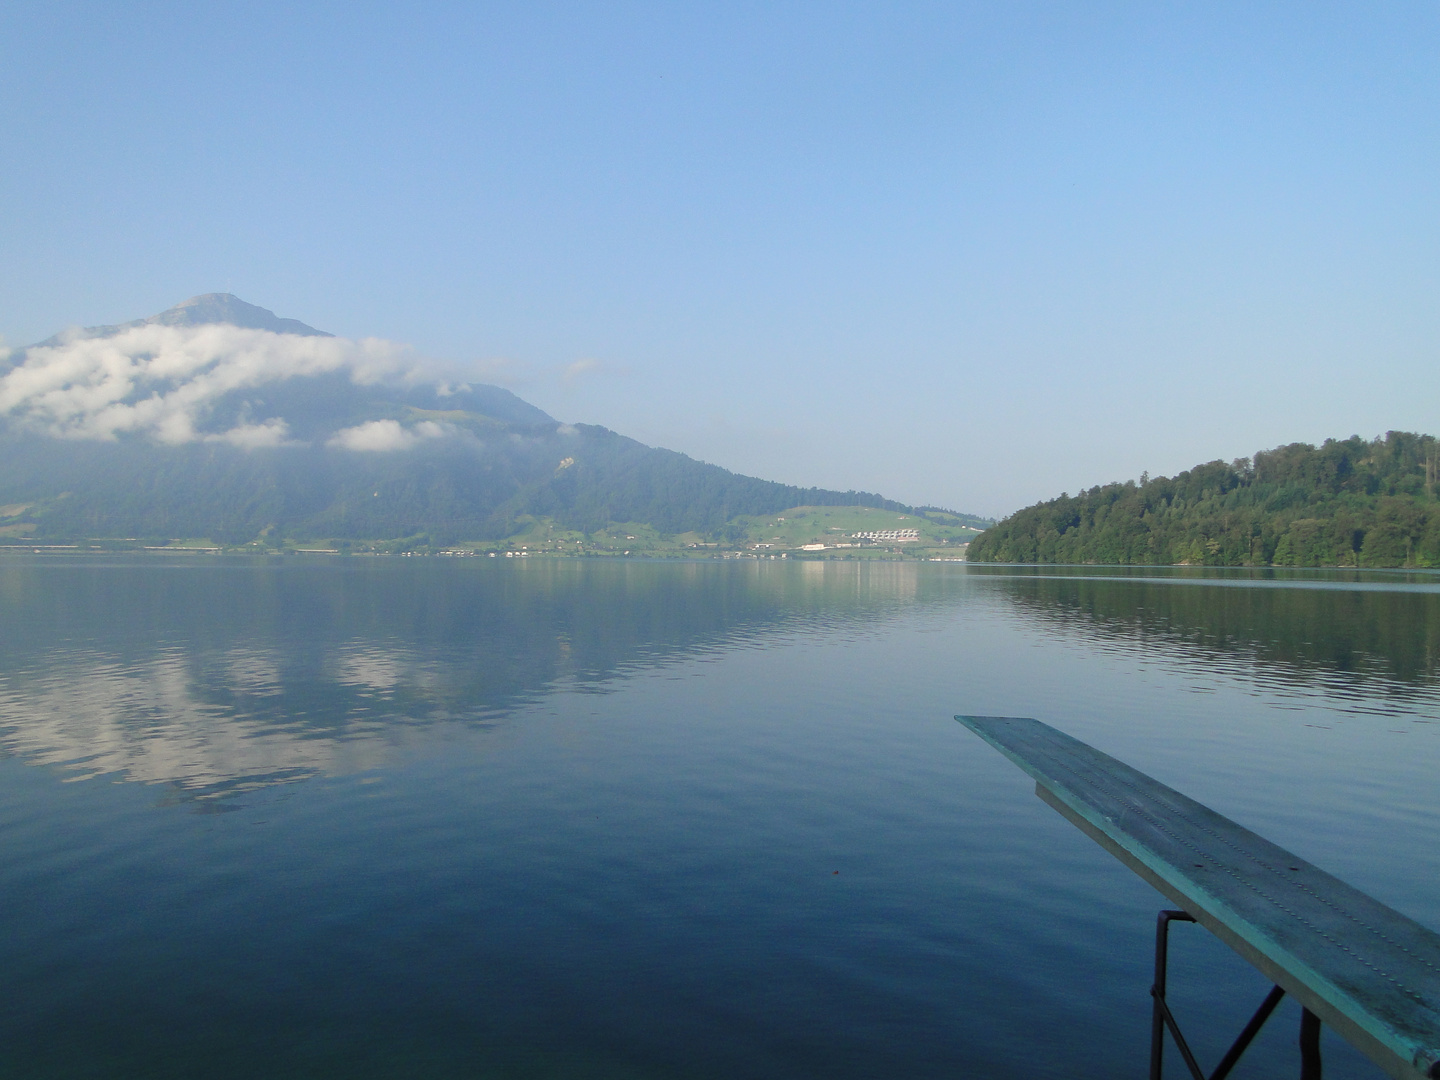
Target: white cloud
[[255, 436], [384, 435], [160, 381]]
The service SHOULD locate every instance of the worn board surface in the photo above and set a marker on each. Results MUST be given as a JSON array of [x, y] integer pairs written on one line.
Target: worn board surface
[[1363, 968]]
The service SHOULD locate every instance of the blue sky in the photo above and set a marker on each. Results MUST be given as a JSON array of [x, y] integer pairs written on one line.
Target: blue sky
[[969, 255]]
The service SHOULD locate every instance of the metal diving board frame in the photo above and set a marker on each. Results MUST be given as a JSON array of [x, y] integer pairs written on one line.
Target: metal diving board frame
[[1369, 972]]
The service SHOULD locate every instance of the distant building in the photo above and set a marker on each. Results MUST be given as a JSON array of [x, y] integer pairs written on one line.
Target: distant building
[[894, 536], [812, 547]]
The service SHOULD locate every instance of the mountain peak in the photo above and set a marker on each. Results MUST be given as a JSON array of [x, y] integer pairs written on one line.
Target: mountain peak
[[201, 310], [228, 308]]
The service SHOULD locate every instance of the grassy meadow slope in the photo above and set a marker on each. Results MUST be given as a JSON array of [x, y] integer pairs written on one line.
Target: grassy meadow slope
[[805, 532]]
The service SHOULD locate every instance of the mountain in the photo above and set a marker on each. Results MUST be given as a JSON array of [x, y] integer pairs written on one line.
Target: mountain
[[217, 419], [315, 393], [1349, 502], [199, 311]]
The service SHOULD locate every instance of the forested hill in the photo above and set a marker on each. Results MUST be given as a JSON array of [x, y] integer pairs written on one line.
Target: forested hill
[[1350, 502], [448, 489]]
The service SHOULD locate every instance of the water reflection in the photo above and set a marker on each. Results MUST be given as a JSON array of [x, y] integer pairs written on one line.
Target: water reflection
[[220, 676], [1364, 638], [788, 862]]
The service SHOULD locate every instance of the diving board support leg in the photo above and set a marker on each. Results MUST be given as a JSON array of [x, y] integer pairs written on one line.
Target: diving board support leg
[[1309, 1059], [1161, 1018], [1309, 1046]]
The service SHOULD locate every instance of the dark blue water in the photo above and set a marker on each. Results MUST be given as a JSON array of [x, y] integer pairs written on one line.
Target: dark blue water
[[376, 817]]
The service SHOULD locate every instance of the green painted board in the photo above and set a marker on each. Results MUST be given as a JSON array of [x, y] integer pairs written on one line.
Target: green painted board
[[1366, 970]]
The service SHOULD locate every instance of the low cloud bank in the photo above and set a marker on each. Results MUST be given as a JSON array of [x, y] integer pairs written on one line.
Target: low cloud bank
[[383, 435], [163, 383]]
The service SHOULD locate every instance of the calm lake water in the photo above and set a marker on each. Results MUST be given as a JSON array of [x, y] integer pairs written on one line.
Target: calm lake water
[[554, 819]]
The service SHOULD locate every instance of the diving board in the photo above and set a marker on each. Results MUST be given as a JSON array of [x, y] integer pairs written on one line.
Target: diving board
[[1363, 968]]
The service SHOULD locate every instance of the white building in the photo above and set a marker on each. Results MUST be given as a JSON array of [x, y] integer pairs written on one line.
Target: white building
[[894, 536]]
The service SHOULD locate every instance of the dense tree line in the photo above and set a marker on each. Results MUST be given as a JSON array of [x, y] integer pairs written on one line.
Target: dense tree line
[[1350, 502]]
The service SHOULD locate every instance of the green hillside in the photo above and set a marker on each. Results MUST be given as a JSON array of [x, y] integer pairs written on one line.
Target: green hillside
[[580, 477], [825, 531], [1350, 502], [800, 526]]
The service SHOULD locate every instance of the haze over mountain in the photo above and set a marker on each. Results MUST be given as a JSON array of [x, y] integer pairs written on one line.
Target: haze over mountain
[[216, 418]]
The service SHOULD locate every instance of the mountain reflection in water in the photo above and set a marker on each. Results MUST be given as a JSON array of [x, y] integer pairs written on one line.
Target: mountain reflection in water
[[219, 676]]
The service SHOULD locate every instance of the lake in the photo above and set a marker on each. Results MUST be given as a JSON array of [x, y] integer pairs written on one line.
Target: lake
[[385, 817]]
